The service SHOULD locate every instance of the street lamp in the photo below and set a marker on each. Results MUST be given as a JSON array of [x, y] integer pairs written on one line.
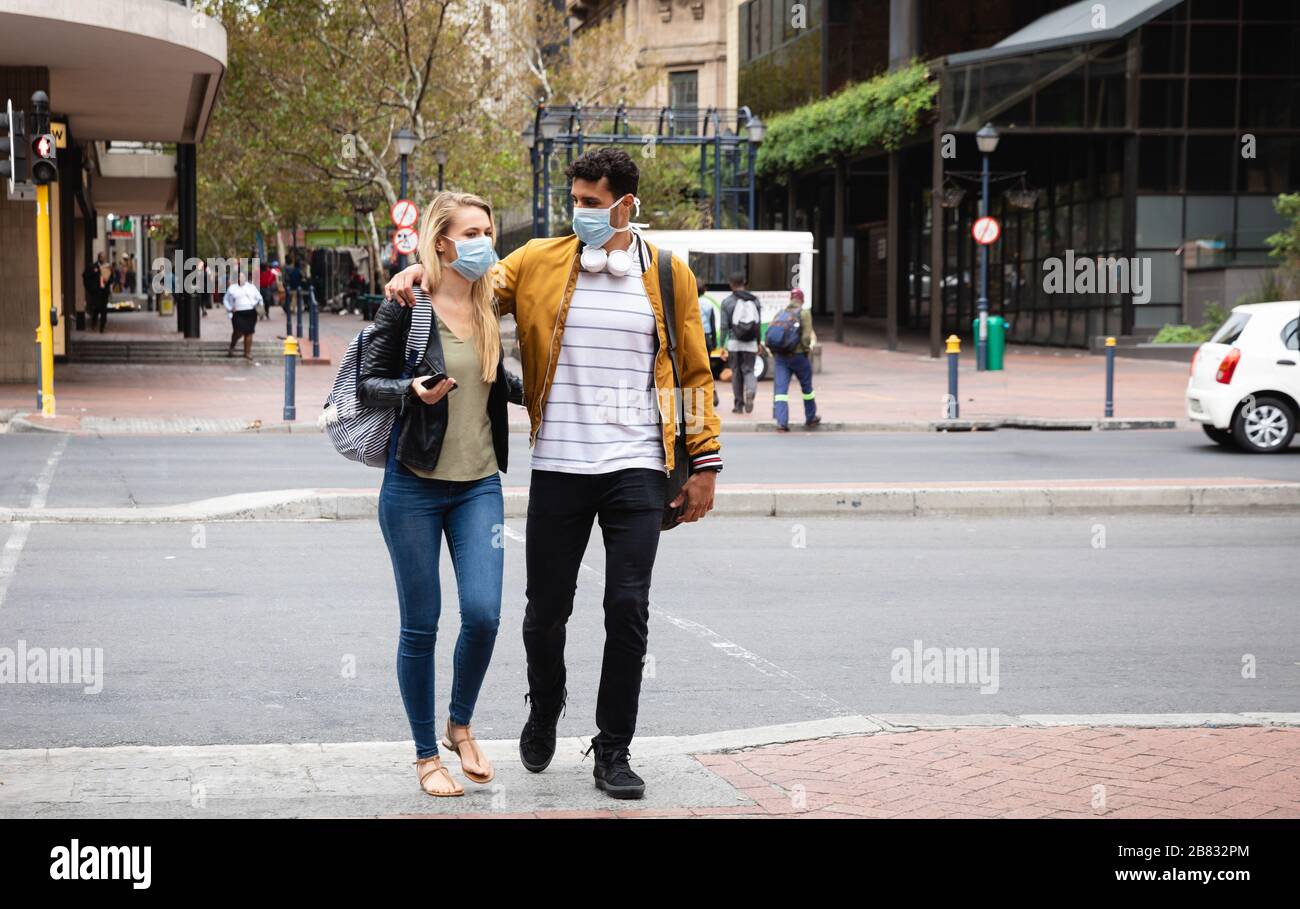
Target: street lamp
[[552, 123], [405, 141], [441, 155], [987, 139], [547, 125], [987, 142], [756, 129]]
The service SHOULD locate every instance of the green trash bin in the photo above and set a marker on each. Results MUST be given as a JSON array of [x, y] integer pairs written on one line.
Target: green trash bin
[[997, 346]]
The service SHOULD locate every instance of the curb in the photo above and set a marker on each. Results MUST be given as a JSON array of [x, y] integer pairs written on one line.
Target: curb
[[21, 422], [879, 501], [730, 426]]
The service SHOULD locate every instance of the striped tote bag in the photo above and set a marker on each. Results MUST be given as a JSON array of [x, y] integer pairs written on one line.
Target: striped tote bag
[[358, 432]]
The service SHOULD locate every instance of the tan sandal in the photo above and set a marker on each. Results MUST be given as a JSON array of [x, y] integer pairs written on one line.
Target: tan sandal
[[479, 769], [432, 766]]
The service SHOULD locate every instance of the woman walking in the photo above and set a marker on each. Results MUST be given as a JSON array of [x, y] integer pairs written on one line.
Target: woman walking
[[449, 442]]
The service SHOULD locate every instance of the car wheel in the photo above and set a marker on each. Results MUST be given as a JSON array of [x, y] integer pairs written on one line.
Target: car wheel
[[1264, 426], [762, 366], [1220, 436]]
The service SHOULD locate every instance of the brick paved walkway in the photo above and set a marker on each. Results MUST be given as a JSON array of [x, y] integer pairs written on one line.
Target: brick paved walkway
[[1022, 772], [857, 384]]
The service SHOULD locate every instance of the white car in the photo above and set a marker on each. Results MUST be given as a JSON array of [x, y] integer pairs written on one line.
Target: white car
[[1244, 386]]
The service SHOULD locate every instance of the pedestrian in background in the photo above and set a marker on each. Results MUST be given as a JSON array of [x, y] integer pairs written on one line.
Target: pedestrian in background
[[266, 281], [105, 281], [709, 319], [789, 337], [741, 322], [92, 282], [241, 302], [293, 281]]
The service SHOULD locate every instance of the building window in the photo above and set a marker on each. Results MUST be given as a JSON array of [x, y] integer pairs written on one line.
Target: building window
[[684, 99]]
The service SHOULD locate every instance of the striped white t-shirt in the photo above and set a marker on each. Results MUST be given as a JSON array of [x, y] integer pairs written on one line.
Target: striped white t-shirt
[[602, 412]]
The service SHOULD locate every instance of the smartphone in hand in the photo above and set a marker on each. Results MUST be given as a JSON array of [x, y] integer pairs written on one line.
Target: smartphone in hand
[[431, 382]]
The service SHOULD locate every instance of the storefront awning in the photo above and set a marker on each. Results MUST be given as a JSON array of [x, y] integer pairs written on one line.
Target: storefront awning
[[1084, 22]]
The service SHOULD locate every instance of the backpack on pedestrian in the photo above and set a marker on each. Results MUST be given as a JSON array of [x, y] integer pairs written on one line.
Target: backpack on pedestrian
[[745, 319], [784, 332], [358, 432]]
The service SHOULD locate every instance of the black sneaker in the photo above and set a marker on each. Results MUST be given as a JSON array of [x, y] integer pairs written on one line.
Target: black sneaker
[[613, 774], [537, 740]]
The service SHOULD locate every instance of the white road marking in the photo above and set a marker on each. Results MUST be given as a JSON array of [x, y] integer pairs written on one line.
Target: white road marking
[[717, 641], [18, 534]]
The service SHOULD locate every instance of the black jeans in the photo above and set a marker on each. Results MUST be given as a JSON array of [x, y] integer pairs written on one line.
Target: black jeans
[[561, 509]]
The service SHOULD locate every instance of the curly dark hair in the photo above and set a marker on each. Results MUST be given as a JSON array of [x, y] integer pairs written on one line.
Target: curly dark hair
[[609, 162]]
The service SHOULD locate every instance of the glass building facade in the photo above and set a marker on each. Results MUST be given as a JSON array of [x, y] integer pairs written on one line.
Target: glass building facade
[[1166, 142]]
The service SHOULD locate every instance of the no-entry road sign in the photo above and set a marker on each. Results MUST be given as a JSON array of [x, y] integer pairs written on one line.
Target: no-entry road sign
[[404, 213], [986, 230]]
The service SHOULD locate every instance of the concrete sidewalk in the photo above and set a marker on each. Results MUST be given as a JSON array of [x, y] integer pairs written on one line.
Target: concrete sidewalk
[[1176, 765], [859, 387]]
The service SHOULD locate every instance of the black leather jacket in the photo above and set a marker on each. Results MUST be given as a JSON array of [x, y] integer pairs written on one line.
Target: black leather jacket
[[423, 425]]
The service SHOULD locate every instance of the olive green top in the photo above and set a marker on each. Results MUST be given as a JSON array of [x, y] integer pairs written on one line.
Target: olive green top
[[467, 452]]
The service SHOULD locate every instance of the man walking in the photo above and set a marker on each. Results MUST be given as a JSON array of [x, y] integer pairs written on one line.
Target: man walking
[[789, 337], [741, 319], [600, 386]]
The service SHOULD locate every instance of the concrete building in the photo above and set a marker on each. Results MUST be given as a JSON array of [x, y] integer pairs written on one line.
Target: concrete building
[[688, 38], [141, 73]]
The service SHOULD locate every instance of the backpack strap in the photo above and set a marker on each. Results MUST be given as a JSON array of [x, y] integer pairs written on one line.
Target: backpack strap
[[667, 295]]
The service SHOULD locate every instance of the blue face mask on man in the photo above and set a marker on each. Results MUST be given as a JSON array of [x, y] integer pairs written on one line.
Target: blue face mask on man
[[474, 257], [592, 224]]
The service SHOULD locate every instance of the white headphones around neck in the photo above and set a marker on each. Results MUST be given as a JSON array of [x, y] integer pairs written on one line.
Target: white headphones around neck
[[617, 263]]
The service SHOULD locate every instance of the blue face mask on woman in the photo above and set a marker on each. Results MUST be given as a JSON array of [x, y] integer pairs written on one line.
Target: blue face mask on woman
[[474, 257], [592, 224]]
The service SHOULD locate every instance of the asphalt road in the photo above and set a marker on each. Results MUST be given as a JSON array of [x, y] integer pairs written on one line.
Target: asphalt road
[[123, 470], [250, 636]]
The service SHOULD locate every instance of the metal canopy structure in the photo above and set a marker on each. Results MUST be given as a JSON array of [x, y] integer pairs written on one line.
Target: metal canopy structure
[[727, 139], [1078, 23]]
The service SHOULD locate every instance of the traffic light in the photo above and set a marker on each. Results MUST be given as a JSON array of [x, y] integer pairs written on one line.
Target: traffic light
[[45, 169], [13, 145]]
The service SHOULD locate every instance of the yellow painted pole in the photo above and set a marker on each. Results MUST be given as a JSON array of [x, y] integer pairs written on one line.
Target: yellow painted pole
[[44, 332]]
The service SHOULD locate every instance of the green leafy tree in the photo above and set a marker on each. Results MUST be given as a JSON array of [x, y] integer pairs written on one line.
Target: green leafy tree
[[1285, 244]]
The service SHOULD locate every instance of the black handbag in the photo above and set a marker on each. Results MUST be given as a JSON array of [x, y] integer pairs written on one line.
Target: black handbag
[[681, 471]]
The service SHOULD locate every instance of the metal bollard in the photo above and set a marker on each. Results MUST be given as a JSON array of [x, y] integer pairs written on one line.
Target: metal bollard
[[290, 369], [40, 386], [315, 325], [298, 307], [288, 312], [1110, 377], [954, 351]]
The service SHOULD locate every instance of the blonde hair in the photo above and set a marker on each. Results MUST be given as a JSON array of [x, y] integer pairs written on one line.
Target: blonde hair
[[437, 219]]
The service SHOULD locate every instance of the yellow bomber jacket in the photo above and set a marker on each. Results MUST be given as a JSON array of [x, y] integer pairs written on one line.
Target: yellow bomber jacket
[[535, 283]]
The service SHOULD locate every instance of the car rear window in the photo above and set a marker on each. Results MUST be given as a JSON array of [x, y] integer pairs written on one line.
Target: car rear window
[[1231, 330]]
